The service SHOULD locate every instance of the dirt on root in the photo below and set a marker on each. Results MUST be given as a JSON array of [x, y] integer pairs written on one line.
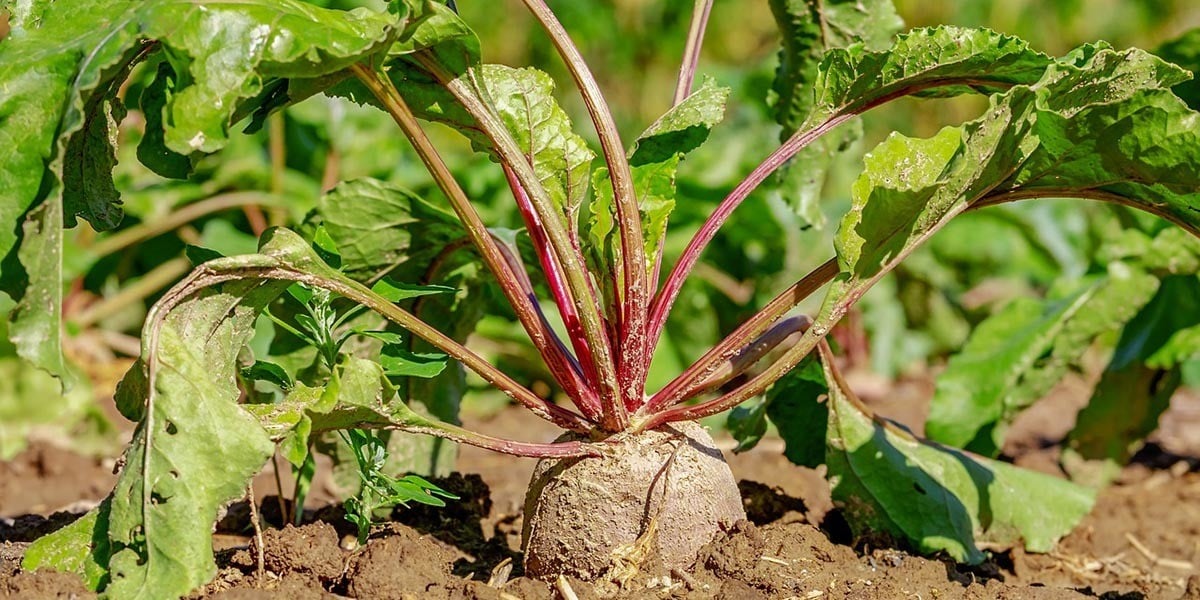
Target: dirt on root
[[1142, 540]]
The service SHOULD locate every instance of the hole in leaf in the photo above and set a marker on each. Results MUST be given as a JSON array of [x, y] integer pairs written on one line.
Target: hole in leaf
[[920, 490], [157, 498], [171, 428]]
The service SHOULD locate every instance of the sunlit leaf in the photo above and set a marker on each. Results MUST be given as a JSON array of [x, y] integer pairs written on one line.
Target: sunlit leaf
[[938, 498]]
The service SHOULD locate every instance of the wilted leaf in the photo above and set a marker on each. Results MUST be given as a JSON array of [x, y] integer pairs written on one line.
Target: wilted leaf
[[196, 451]]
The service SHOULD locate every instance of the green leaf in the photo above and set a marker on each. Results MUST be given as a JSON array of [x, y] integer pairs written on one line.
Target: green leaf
[[456, 315], [50, 68], [808, 30], [981, 388], [357, 394], [747, 423], [1017, 354], [525, 102], [656, 155], [1185, 52], [90, 156], [230, 51], [35, 325], [683, 128], [1103, 129], [270, 372], [81, 548], [198, 255], [398, 362], [152, 150], [56, 71], [796, 406], [326, 248], [1132, 393], [376, 225], [942, 61], [524, 99], [396, 291], [937, 498], [435, 27], [1182, 346], [61, 71], [220, 236], [24, 406], [196, 450]]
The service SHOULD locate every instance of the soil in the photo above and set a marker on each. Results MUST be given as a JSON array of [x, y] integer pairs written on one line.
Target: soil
[[1142, 540]]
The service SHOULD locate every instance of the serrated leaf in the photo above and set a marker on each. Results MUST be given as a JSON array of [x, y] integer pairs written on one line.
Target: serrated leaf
[[938, 498]]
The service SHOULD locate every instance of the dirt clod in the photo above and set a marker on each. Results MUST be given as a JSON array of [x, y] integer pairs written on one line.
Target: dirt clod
[[308, 551], [402, 565]]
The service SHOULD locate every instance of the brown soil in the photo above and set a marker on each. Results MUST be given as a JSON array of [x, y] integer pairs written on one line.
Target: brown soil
[[1141, 541]]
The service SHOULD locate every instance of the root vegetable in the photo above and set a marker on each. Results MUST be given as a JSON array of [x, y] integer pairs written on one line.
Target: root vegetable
[[581, 512]]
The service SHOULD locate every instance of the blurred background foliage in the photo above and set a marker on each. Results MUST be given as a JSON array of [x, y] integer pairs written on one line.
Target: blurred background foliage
[[275, 175]]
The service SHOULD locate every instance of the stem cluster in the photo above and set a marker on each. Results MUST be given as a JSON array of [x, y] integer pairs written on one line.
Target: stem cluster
[[603, 366]]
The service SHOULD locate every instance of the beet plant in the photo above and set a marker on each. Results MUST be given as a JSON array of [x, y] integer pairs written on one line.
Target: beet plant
[[632, 473]]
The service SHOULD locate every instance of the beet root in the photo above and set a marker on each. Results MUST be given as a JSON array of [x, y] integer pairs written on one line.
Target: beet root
[[579, 511]]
